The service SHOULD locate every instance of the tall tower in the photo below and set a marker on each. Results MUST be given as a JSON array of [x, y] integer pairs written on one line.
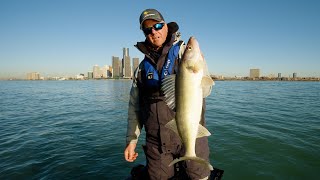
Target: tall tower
[[126, 63], [135, 62], [116, 67], [125, 52]]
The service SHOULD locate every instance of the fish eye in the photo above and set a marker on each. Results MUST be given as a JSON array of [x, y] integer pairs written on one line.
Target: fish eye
[[189, 47]]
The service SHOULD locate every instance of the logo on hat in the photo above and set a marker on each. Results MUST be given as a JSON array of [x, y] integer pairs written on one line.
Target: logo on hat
[[150, 14]]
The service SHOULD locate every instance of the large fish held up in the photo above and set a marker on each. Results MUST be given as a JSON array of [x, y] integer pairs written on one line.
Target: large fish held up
[[184, 92]]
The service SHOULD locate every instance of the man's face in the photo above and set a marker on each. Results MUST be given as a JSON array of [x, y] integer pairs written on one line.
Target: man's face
[[156, 37]]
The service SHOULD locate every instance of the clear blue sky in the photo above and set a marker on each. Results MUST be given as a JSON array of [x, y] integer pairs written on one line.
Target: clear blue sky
[[68, 37]]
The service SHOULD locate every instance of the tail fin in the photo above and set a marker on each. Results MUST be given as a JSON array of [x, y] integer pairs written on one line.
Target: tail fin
[[194, 158]]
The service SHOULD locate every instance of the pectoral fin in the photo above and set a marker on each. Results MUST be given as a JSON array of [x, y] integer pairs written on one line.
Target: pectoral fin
[[202, 131], [206, 84], [172, 125], [207, 81]]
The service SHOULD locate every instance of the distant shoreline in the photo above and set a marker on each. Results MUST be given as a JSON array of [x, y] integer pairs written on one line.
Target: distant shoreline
[[270, 80], [313, 79], [267, 79]]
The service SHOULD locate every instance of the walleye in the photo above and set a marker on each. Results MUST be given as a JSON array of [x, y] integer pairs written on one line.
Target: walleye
[[184, 93]]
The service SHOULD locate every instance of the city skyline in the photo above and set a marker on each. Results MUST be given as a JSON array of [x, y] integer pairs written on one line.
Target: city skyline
[[125, 67], [118, 66], [106, 72], [64, 38]]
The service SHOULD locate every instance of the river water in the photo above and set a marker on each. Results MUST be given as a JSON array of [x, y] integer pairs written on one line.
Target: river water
[[76, 129]]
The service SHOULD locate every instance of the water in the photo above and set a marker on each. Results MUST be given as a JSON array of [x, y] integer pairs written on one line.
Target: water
[[76, 129]]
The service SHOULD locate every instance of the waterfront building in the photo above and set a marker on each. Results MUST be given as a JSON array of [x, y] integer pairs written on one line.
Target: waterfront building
[[116, 67], [135, 62], [109, 72], [33, 76], [99, 72], [254, 73], [294, 75], [126, 66], [80, 77], [271, 76], [104, 71], [125, 53], [90, 75], [279, 75], [96, 72]]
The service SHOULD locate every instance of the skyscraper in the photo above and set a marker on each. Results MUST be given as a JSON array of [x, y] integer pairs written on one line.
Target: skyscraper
[[126, 63], [104, 71], [109, 72], [294, 75], [135, 62], [90, 75], [33, 76], [279, 75], [254, 73], [125, 52], [96, 72], [116, 67]]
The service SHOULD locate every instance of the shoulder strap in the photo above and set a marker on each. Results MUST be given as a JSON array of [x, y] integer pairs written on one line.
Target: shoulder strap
[[180, 53], [173, 55]]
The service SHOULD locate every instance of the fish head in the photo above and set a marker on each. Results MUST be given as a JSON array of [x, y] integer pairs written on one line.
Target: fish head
[[192, 57]]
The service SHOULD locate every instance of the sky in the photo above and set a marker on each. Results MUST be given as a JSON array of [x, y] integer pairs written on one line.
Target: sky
[[69, 37]]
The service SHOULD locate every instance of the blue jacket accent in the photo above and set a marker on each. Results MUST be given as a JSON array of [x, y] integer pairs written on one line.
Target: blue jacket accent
[[152, 76]]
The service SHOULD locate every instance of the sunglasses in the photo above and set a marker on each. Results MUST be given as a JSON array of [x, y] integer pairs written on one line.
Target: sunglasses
[[156, 27]]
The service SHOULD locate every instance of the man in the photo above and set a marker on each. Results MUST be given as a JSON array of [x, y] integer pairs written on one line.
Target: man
[[147, 106]]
